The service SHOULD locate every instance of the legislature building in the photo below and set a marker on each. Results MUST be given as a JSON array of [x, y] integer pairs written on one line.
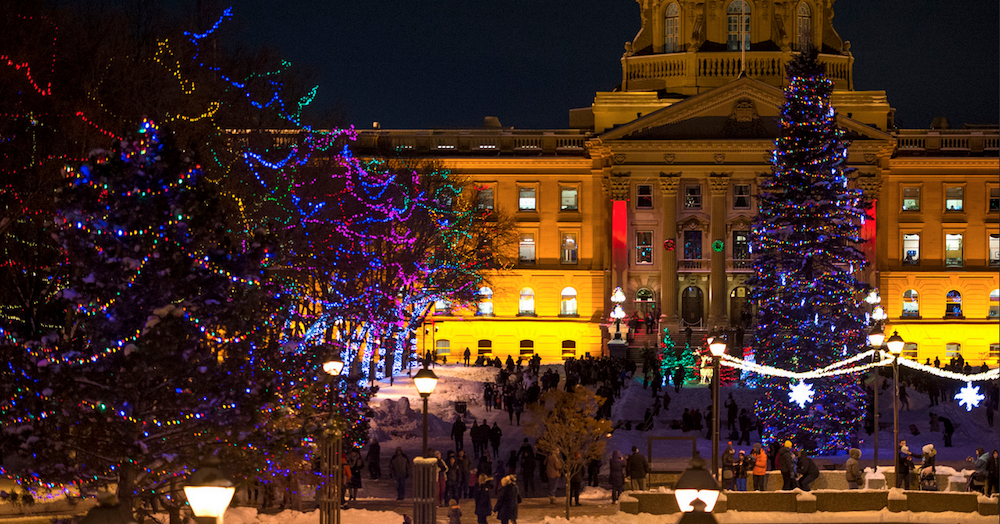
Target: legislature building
[[652, 188]]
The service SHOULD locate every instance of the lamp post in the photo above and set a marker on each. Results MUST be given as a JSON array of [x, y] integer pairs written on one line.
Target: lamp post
[[425, 380], [717, 345], [895, 344], [332, 450], [616, 346], [875, 339], [696, 492], [209, 492]]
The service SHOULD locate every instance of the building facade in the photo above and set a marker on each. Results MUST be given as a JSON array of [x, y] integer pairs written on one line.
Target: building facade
[[652, 188]]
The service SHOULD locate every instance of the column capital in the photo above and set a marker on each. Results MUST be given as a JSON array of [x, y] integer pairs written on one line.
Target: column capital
[[669, 183], [871, 185], [719, 183], [617, 185]]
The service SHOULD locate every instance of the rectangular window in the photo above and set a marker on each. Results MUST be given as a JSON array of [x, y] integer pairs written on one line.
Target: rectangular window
[[692, 196], [994, 249], [643, 247], [692, 245], [911, 198], [994, 204], [994, 351], [569, 248], [954, 199], [485, 347], [526, 249], [953, 250], [525, 198], [953, 350], [568, 199], [741, 196], [644, 196], [527, 348], [485, 198], [911, 249], [910, 350], [741, 249], [443, 347]]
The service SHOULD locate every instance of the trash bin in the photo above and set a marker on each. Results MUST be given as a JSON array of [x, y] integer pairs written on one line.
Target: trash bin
[[460, 407]]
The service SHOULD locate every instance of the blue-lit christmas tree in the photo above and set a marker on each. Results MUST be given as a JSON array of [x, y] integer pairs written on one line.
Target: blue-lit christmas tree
[[805, 266]]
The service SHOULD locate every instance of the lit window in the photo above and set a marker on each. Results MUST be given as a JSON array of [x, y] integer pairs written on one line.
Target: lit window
[[525, 199], [994, 204], [526, 302], [953, 250], [569, 198], [442, 307], [995, 303], [486, 198], [954, 199], [671, 28], [911, 198], [568, 349], [994, 351], [643, 247], [443, 347], [692, 197], [644, 197], [953, 304], [911, 308], [569, 248], [485, 306], [485, 347], [526, 249], [692, 245], [527, 348], [953, 350], [804, 27], [741, 196], [911, 248], [736, 31], [910, 350], [741, 246], [568, 306], [994, 249]]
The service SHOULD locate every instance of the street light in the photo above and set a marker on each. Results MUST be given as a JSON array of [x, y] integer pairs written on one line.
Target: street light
[[209, 492], [718, 347], [895, 344], [696, 492], [425, 380], [332, 452], [875, 338], [334, 366]]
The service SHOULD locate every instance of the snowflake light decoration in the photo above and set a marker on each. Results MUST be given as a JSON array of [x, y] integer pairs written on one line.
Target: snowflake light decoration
[[969, 396], [801, 394]]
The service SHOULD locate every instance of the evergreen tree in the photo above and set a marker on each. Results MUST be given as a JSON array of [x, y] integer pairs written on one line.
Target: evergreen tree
[[805, 265], [672, 356]]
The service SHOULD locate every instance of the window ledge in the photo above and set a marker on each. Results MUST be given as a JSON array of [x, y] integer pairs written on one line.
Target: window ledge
[[569, 316], [954, 317], [527, 315]]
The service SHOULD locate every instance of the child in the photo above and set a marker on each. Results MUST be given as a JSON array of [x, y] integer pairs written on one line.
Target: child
[[455, 515]]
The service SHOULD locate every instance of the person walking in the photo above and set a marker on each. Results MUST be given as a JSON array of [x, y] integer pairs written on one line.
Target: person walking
[[452, 480], [553, 471], [399, 469], [637, 467], [508, 499], [357, 464], [759, 468], [484, 497], [374, 458], [853, 469], [948, 430], [464, 469], [495, 435], [458, 433], [808, 471], [785, 466], [527, 457], [731, 410], [616, 475]]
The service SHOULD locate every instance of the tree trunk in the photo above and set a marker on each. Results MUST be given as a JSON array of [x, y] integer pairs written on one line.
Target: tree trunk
[[567, 495], [126, 491]]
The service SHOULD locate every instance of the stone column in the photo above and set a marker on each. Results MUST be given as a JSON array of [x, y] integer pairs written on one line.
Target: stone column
[[717, 294], [668, 269], [620, 185]]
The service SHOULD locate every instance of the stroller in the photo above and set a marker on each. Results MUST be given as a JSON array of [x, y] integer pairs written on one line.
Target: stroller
[[928, 479]]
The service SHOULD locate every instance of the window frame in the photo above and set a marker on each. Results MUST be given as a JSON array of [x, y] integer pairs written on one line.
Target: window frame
[[961, 260], [575, 187], [639, 247], [748, 196], [950, 352], [639, 196], [438, 346], [915, 298], [484, 187], [733, 20], [688, 205], [568, 347], [530, 346], [521, 312], [948, 303], [671, 39], [902, 197], [484, 349], [701, 244], [902, 243], [994, 305], [563, 234], [992, 202], [482, 298], [563, 301], [960, 187], [746, 243], [992, 252], [803, 42], [521, 243], [533, 186]]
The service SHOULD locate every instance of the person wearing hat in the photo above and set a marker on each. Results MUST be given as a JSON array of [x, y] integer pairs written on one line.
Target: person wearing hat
[[759, 468], [853, 469], [785, 466], [728, 469]]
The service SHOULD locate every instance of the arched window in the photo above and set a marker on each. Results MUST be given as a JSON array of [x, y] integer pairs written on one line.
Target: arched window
[[995, 303], [568, 306], [644, 302], [953, 304], [911, 308], [953, 350], [485, 305], [803, 27], [485, 347], [738, 25], [527, 348], [526, 303], [671, 28], [568, 349]]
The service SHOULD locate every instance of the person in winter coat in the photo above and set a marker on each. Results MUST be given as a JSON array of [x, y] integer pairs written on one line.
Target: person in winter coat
[[442, 478], [453, 480], [743, 465], [808, 470], [728, 467], [853, 469], [464, 467], [399, 469], [637, 467], [576, 484], [553, 471], [356, 463], [507, 500], [928, 470], [455, 514], [484, 498], [527, 458], [374, 457], [905, 465], [495, 435], [458, 433], [992, 473], [759, 468], [616, 475], [744, 428], [977, 481], [785, 466]]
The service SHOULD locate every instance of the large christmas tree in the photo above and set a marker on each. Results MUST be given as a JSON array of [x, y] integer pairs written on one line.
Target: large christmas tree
[[805, 267]]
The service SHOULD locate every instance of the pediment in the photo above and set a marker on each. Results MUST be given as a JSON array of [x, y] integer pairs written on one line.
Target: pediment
[[745, 109]]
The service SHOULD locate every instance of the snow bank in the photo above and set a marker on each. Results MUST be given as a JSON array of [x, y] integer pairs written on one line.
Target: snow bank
[[592, 493], [803, 496], [347, 516], [897, 494]]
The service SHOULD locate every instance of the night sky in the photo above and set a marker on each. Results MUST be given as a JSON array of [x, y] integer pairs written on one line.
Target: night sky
[[449, 63]]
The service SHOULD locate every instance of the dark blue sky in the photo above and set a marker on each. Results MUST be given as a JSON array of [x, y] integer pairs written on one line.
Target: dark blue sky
[[449, 63]]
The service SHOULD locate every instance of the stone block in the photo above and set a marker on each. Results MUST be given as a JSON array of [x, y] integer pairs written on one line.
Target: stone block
[[721, 505], [988, 506], [656, 503], [627, 504], [853, 500], [897, 500], [877, 483], [761, 501], [936, 501]]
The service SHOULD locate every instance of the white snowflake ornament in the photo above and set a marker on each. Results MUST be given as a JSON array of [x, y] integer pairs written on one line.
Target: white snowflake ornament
[[801, 394], [969, 396]]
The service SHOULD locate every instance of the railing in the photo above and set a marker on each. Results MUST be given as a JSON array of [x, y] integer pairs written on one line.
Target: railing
[[569, 142], [693, 265], [693, 70], [948, 142], [740, 265]]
